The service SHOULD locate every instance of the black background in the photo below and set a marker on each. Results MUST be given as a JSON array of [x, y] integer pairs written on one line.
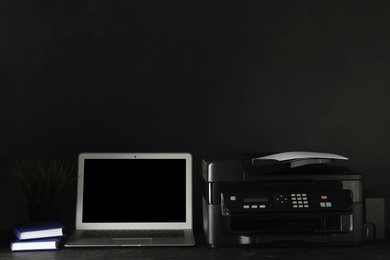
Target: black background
[[193, 76]]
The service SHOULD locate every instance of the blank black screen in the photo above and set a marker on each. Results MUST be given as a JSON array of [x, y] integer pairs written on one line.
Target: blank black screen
[[134, 190]]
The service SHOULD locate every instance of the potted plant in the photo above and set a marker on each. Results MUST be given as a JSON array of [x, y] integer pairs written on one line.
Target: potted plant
[[43, 180]]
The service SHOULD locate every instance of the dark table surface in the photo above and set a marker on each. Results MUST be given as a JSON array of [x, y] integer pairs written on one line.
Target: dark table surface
[[379, 249]]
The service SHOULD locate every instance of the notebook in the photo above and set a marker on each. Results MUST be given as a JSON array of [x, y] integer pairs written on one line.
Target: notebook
[[133, 199]]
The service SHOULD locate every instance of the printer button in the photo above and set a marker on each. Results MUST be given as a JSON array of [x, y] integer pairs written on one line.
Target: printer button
[[232, 198], [254, 206], [246, 206], [322, 204]]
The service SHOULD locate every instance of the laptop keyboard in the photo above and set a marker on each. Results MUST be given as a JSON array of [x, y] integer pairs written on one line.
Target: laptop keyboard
[[133, 234]]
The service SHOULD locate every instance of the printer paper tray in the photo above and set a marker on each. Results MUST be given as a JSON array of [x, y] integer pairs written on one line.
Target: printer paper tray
[[291, 223]]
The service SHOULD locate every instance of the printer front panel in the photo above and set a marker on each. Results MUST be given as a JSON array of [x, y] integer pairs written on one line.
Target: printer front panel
[[319, 212], [298, 201]]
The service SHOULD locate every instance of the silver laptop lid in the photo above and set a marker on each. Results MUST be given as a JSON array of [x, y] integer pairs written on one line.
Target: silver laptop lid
[[134, 191]]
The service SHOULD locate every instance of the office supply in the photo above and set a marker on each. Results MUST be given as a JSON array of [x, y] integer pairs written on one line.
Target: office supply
[[39, 229], [35, 244], [134, 199], [252, 199], [375, 215]]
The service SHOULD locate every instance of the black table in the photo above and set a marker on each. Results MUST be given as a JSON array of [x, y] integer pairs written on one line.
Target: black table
[[368, 250]]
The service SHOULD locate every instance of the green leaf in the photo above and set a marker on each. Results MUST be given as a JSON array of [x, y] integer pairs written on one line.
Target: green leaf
[[43, 179]]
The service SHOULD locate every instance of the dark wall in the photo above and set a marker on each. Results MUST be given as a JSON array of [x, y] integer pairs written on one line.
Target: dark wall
[[194, 76]]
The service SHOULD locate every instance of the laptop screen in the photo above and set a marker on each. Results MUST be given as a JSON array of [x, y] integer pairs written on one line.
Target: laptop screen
[[134, 190]]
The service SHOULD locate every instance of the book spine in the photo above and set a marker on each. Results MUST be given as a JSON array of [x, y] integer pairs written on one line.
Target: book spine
[[17, 233]]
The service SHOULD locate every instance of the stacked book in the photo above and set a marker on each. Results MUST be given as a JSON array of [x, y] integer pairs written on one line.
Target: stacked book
[[43, 235]]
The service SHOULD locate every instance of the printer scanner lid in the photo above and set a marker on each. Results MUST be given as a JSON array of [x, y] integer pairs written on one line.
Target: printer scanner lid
[[288, 165]]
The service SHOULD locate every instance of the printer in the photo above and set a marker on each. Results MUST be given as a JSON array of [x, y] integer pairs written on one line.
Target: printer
[[294, 198]]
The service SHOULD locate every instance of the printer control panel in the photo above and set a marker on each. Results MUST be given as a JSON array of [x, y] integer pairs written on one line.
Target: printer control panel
[[257, 202]]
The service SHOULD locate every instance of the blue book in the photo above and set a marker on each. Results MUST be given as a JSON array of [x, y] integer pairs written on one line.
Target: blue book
[[35, 244], [41, 229]]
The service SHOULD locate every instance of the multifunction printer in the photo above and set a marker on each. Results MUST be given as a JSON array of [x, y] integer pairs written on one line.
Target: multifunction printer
[[282, 199]]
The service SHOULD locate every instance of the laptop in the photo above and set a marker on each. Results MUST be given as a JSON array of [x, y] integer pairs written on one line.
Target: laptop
[[133, 199]]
